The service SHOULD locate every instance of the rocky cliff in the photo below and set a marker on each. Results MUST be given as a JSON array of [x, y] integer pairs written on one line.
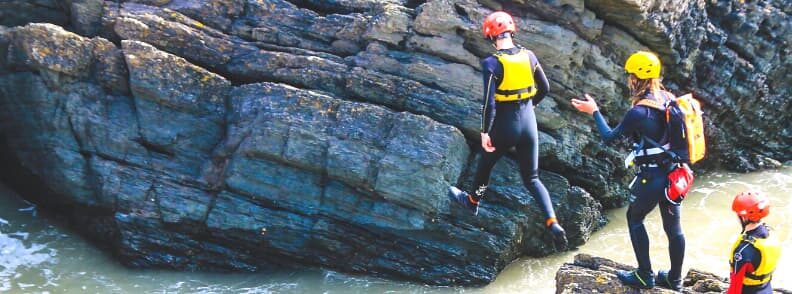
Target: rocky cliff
[[589, 274], [263, 134]]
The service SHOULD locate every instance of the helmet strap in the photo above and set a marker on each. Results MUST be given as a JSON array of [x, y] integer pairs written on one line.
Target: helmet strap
[[494, 39], [500, 36], [504, 35], [745, 222]]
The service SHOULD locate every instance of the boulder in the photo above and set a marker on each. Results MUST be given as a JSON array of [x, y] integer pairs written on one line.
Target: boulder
[[591, 274], [390, 26], [180, 107], [50, 47], [180, 158]]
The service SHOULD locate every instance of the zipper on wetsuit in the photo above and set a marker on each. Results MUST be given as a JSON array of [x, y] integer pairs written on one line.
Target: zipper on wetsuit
[[486, 103]]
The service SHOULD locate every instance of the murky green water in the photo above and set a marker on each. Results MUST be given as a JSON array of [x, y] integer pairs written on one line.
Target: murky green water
[[37, 256]]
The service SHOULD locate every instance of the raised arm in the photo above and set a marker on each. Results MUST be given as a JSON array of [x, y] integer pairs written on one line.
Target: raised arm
[[625, 127]]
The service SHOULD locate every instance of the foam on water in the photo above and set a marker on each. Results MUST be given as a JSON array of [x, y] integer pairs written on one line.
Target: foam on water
[[15, 255]]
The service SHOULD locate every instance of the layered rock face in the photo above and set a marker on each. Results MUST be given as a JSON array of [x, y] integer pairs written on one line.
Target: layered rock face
[[590, 274], [254, 135]]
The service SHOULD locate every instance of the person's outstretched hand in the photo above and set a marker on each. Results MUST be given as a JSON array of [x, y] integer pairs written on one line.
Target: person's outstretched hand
[[588, 106], [486, 143]]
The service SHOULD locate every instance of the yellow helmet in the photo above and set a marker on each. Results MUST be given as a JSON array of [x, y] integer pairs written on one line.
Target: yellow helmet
[[644, 65]]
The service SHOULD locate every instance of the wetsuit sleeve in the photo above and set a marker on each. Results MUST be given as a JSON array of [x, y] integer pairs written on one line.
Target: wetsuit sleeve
[[542, 84], [626, 126], [492, 71]]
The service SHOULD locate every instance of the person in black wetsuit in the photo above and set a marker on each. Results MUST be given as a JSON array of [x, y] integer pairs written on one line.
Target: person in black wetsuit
[[648, 187], [755, 253], [513, 84]]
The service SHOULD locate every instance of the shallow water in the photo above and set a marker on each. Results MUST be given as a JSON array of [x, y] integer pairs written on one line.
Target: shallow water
[[708, 223], [37, 256]]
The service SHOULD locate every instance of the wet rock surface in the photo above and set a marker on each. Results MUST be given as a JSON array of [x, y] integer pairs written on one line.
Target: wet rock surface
[[255, 135], [21, 12], [591, 274]]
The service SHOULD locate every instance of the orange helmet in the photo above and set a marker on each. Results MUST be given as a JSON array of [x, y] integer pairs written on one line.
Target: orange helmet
[[752, 206], [497, 23]]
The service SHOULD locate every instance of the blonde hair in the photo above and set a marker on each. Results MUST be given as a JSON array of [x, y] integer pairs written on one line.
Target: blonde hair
[[639, 86]]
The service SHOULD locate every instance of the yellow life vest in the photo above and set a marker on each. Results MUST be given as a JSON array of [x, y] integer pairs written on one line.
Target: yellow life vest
[[770, 250], [518, 80]]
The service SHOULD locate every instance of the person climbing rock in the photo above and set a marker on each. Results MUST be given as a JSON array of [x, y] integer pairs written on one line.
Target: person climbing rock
[[755, 253], [514, 84], [644, 123]]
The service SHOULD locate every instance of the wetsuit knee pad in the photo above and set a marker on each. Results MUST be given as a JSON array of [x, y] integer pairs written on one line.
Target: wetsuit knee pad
[[672, 229], [634, 220], [675, 236], [531, 183], [632, 226]]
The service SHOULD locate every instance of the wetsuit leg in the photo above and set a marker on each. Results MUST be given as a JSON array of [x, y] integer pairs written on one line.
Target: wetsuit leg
[[504, 135], [671, 215], [528, 159], [646, 191], [483, 171]]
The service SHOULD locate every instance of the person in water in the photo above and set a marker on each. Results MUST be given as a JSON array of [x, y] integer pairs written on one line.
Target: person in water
[[514, 84], [754, 254], [648, 188]]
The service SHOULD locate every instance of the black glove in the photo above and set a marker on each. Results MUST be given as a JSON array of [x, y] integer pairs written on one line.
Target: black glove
[[559, 237]]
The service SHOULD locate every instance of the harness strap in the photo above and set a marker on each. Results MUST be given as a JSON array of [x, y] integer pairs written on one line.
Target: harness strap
[[514, 95], [759, 277], [652, 151], [514, 92], [645, 157], [666, 148]]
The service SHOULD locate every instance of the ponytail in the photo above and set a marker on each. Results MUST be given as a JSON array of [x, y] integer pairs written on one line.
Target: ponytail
[[638, 88]]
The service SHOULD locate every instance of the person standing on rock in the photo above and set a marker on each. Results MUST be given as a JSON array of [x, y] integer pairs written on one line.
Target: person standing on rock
[[648, 187], [514, 84], [755, 254]]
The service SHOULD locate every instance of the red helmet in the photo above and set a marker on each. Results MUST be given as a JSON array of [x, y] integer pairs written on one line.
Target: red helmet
[[751, 205], [497, 23]]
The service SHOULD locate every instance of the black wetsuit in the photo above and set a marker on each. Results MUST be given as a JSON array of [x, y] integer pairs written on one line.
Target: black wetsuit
[[513, 126], [647, 189], [747, 254]]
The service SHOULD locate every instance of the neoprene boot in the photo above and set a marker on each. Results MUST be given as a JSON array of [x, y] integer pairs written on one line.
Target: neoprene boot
[[464, 199], [663, 280], [559, 236], [637, 278]]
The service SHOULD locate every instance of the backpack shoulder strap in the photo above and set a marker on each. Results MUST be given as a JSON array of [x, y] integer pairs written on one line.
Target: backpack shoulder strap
[[668, 95], [652, 104]]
